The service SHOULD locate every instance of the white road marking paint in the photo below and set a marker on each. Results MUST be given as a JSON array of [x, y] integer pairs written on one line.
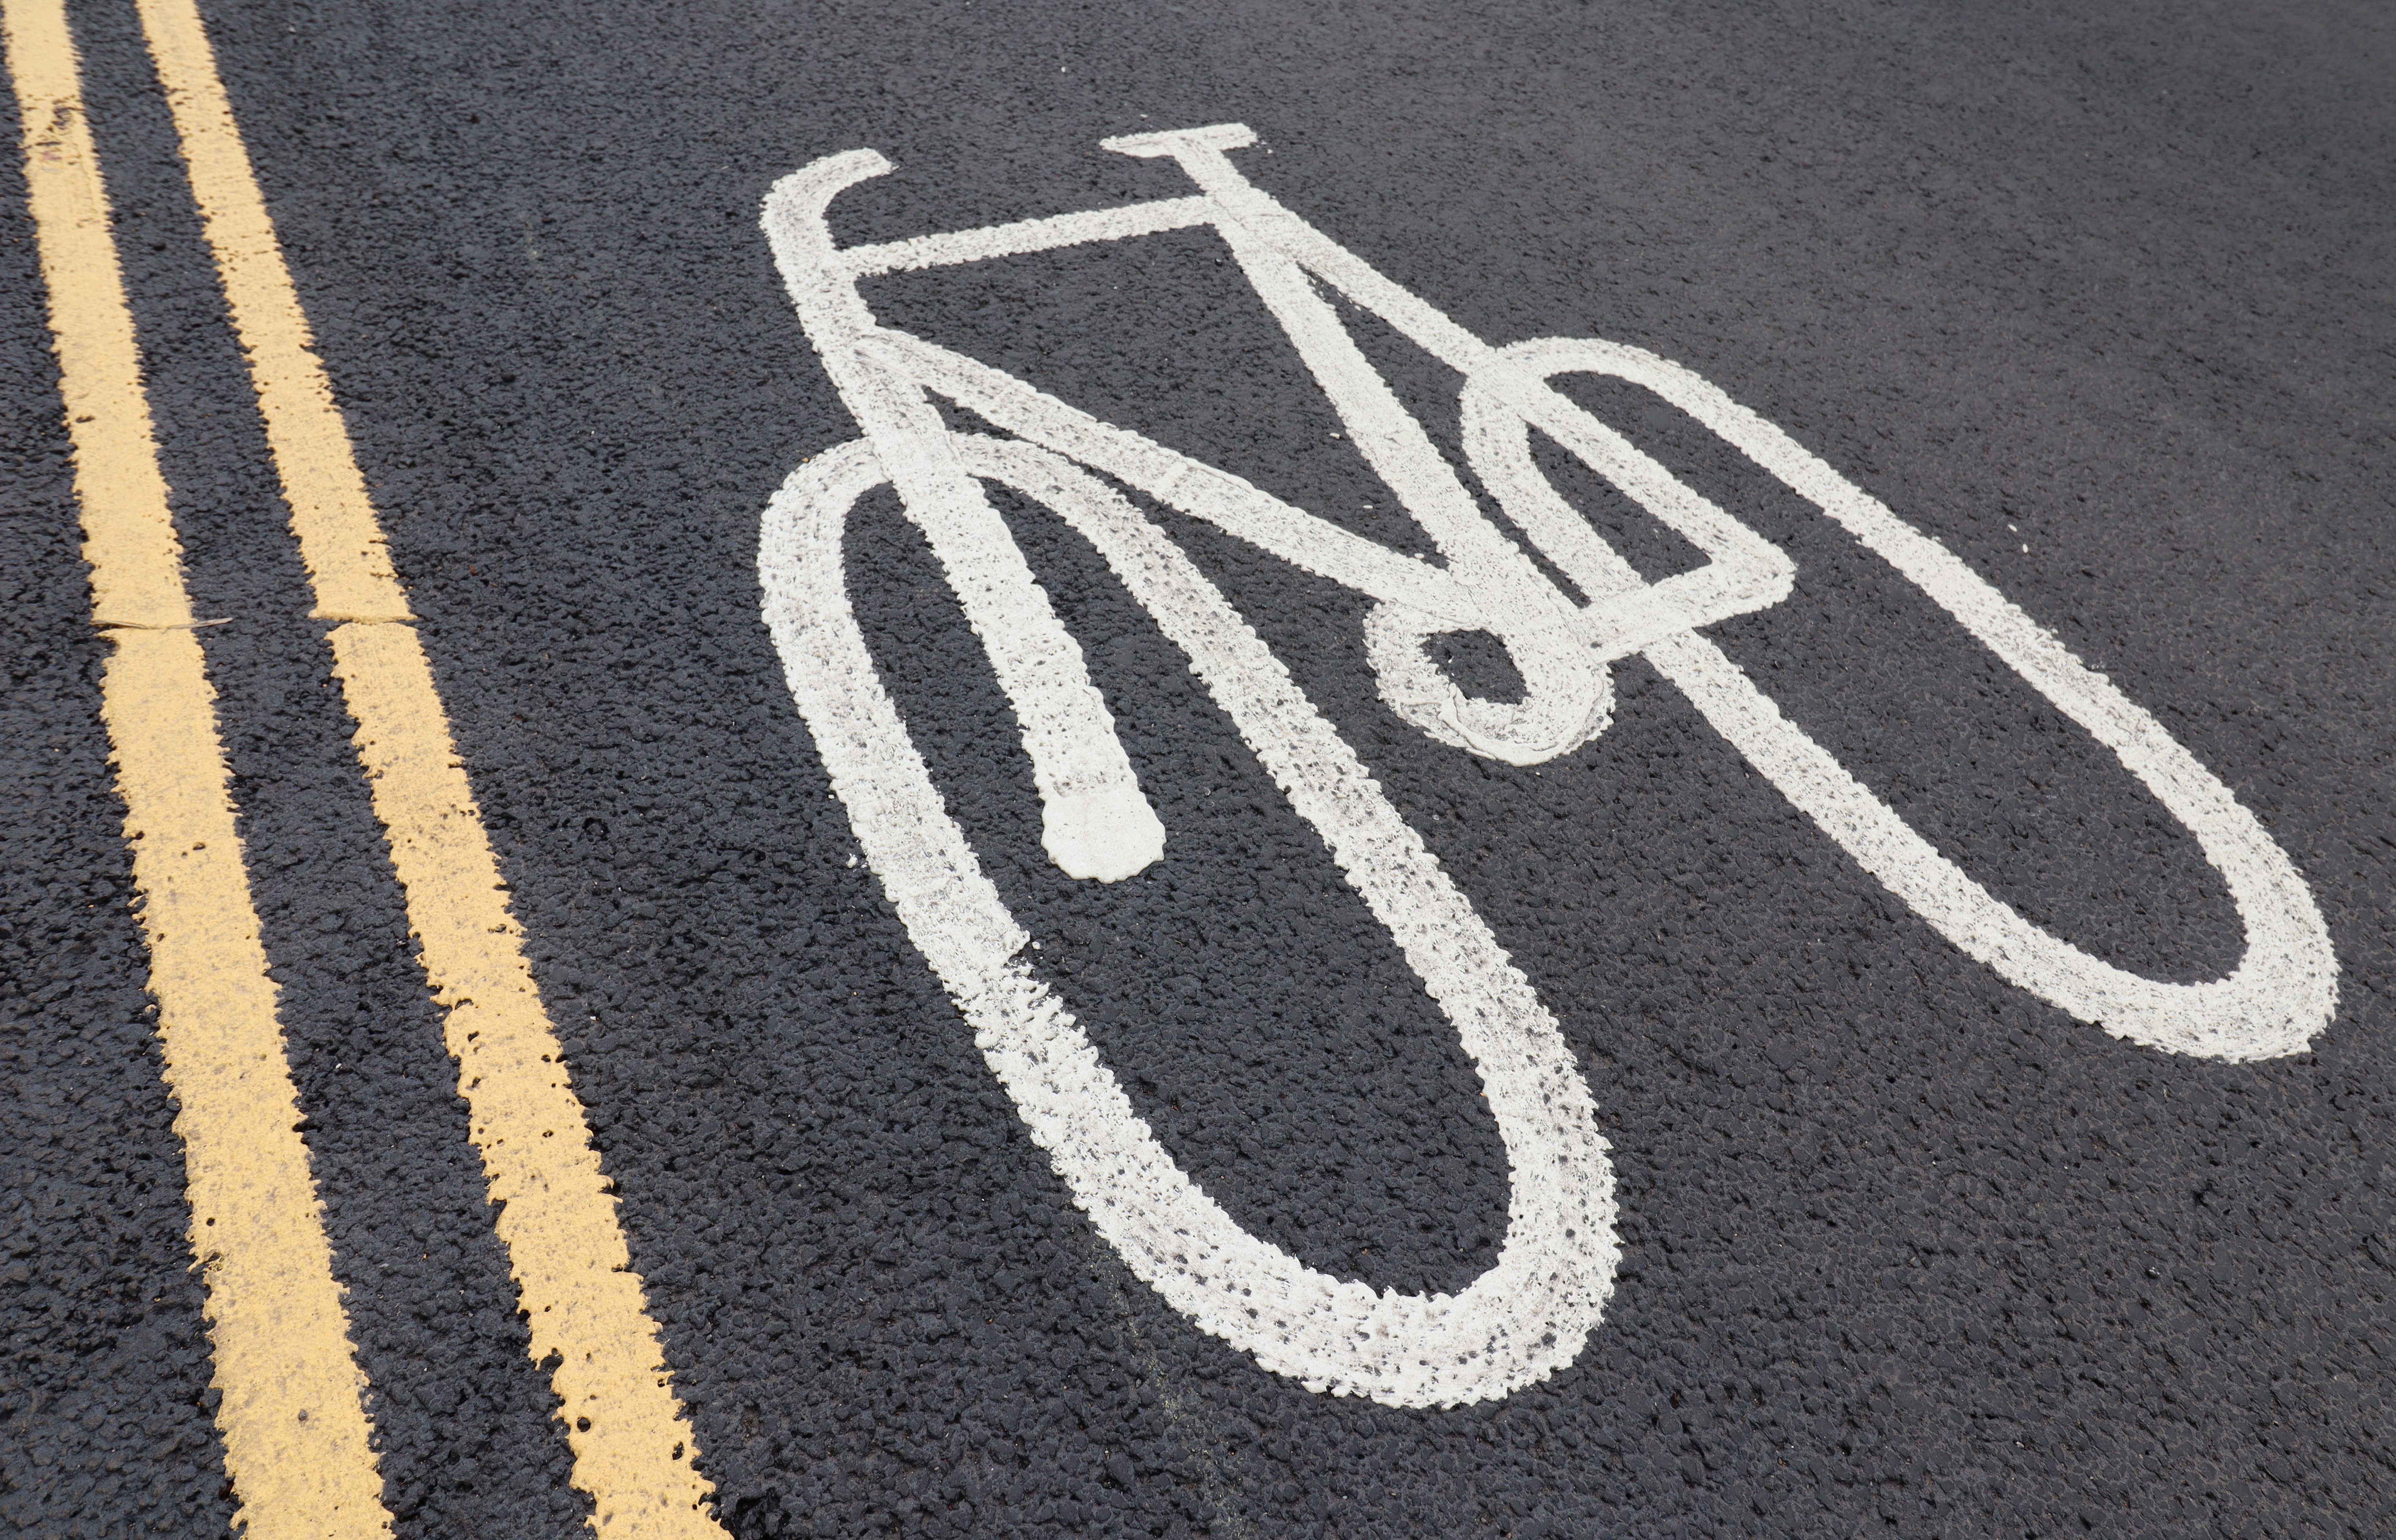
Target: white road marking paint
[[2283, 989], [1519, 1321], [1028, 235], [1532, 1311], [1097, 822]]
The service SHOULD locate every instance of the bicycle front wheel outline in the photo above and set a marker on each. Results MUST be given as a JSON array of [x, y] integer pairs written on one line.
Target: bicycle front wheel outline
[[1530, 1314]]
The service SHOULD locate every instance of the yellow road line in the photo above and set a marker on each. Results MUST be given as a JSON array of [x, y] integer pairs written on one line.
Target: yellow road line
[[633, 1451], [294, 1425]]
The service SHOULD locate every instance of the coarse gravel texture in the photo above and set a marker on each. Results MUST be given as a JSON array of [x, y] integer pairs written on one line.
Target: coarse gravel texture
[[2098, 296]]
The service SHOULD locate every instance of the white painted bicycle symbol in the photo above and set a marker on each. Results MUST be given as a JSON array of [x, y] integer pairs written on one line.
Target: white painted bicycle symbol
[[1531, 1313]]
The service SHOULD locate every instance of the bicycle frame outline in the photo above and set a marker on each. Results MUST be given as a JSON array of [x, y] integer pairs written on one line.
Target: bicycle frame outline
[[1530, 1314]]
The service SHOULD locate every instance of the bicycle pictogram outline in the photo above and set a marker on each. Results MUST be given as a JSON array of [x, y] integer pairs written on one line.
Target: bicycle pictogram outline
[[1531, 1313]]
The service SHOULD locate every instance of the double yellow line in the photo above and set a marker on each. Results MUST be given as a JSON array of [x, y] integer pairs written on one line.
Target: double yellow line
[[297, 1444]]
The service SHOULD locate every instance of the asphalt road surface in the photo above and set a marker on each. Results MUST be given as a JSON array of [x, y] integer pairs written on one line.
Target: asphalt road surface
[[1835, 1212]]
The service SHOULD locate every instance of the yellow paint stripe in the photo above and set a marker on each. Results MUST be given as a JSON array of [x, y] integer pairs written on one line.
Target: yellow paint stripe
[[340, 541], [294, 1425], [634, 1450]]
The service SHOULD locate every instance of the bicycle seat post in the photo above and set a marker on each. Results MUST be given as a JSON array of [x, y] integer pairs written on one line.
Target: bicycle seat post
[[1568, 695]]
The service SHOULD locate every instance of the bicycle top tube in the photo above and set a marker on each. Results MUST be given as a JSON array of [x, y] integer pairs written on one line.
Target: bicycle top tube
[[1023, 236]]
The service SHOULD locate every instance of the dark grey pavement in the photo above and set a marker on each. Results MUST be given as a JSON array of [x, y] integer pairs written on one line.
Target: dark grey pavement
[[2101, 296]]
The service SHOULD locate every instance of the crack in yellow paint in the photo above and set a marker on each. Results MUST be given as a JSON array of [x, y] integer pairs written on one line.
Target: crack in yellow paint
[[296, 1436], [634, 1450]]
